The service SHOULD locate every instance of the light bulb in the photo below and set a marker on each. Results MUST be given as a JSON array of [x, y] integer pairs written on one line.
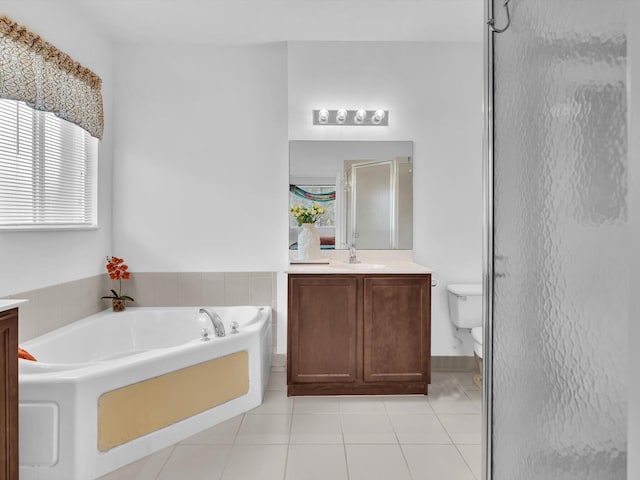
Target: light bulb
[[323, 116], [378, 116], [341, 115], [361, 115]]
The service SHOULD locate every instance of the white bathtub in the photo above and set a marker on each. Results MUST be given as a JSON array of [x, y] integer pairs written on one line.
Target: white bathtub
[[79, 363]]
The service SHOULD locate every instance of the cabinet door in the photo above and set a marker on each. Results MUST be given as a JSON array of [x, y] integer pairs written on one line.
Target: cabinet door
[[323, 316], [397, 320], [9, 395]]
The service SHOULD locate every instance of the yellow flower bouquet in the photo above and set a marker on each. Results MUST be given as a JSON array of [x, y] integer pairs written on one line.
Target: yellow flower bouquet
[[304, 214]]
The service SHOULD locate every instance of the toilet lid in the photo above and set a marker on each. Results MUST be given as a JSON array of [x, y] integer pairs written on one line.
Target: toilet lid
[[465, 289], [476, 334]]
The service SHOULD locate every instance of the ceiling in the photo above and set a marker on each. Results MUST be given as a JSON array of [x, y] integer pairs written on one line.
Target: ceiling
[[261, 21]]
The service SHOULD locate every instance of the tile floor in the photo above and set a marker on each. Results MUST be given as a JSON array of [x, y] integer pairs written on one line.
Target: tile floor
[[436, 437]]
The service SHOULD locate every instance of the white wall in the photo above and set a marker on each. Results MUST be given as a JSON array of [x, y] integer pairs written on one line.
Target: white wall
[[200, 179], [32, 260], [433, 92], [201, 170], [633, 56]]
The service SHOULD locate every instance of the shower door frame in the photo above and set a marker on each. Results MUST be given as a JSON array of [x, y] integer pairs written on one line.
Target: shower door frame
[[487, 250]]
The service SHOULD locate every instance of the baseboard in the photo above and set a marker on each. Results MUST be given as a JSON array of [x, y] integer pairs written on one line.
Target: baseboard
[[453, 364], [279, 360]]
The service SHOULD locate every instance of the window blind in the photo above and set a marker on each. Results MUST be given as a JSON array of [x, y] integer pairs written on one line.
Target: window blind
[[48, 172]]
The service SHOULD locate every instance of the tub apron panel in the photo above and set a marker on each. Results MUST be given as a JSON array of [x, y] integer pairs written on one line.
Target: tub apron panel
[[145, 407]]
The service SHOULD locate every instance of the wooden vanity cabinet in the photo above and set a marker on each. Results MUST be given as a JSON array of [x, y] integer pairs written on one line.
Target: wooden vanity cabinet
[[358, 334], [323, 318], [9, 394]]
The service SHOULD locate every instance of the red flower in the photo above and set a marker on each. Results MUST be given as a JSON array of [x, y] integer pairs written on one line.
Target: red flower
[[117, 269]]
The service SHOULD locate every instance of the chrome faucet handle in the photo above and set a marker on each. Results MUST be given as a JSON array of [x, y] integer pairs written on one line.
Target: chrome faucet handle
[[234, 327], [205, 335], [353, 253]]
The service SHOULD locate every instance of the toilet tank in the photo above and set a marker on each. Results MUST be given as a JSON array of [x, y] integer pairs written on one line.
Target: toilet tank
[[465, 304]]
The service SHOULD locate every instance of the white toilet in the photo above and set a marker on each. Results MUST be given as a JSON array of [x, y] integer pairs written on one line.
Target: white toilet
[[465, 312]]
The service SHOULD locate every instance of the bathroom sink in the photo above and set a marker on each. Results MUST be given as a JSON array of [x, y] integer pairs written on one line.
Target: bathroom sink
[[367, 266], [360, 266]]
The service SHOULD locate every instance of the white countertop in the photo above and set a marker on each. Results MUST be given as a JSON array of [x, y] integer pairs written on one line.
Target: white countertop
[[381, 267], [9, 303]]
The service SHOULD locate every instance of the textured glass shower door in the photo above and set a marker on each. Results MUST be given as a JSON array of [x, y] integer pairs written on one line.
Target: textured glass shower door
[[558, 277]]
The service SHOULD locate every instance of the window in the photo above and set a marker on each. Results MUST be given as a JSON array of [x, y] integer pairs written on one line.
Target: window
[[48, 170], [329, 218]]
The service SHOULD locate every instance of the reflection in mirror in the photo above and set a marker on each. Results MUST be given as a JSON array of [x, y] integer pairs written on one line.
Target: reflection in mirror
[[366, 188]]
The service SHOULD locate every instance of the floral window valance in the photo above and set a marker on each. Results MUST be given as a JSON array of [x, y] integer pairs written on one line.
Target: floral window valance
[[34, 71]]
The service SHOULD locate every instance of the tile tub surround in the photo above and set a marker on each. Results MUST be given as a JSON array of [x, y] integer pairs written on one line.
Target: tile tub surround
[[192, 289], [56, 306], [337, 438], [53, 307]]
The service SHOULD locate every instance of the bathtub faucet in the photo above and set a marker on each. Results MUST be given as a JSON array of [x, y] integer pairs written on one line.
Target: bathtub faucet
[[216, 321]]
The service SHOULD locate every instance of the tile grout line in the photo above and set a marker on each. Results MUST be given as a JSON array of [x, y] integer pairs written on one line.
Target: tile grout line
[[454, 444], [465, 461], [164, 464], [458, 447], [344, 444], [393, 429], [286, 457], [233, 445], [406, 462], [445, 429]]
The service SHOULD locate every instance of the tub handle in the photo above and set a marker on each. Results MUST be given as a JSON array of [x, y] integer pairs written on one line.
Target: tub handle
[[234, 327], [205, 335]]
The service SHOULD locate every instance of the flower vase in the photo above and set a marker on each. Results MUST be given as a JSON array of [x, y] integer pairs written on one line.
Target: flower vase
[[308, 242], [118, 304]]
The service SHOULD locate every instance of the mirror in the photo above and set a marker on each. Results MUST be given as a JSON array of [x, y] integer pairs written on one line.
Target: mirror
[[365, 187]]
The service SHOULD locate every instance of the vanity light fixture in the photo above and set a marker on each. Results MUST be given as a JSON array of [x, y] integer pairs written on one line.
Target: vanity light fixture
[[361, 116], [378, 116], [323, 116], [342, 116]]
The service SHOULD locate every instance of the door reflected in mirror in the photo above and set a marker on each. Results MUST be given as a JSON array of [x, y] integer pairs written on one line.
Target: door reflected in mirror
[[365, 187]]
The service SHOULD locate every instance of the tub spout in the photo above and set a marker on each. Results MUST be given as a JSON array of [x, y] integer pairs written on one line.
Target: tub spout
[[216, 321]]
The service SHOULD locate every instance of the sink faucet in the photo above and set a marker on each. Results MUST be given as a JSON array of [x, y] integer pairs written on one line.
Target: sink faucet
[[352, 253], [216, 321]]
